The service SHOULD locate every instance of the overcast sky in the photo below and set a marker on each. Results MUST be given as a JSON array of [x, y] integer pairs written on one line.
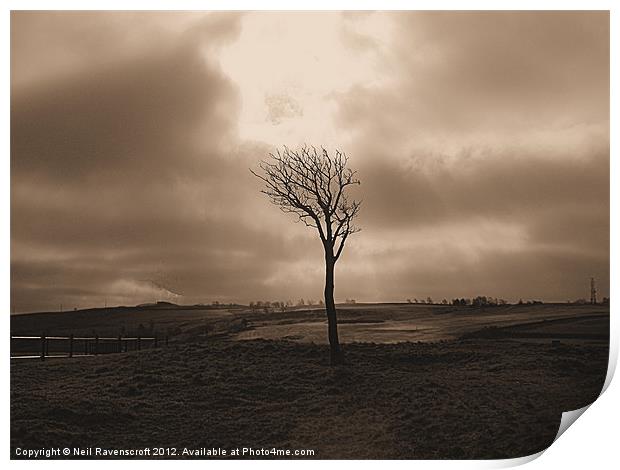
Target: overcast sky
[[481, 139]]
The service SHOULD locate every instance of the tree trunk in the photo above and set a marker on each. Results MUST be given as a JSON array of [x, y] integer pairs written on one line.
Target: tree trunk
[[335, 353]]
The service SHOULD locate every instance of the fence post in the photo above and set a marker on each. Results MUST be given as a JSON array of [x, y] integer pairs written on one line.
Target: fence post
[[139, 345], [85, 347], [71, 345], [155, 341], [96, 344], [43, 347], [120, 344]]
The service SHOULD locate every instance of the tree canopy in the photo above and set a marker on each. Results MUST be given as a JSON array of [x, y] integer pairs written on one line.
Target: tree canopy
[[312, 184]]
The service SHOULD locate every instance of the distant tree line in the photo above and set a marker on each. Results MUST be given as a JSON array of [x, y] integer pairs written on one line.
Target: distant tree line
[[428, 300], [479, 301], [283, 306], [218, 304], [484, 301]]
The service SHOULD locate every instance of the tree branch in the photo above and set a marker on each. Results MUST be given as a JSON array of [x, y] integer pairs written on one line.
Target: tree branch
[[312, 184]]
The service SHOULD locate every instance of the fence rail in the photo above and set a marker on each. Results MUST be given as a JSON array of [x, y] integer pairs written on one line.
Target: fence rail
[[78, 346]]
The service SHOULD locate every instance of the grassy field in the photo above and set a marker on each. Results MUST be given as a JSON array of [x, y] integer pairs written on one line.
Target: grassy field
[[392, 323], [382, 323], [493, 396], [185, 323]]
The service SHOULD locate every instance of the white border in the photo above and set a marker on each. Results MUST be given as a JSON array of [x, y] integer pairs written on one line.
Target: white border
[[309, 5], [592, 442]]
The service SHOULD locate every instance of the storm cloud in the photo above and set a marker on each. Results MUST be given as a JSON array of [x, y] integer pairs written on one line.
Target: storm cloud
[[481, 139]]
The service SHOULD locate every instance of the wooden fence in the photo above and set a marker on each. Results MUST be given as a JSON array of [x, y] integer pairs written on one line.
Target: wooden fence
[[38, 347]]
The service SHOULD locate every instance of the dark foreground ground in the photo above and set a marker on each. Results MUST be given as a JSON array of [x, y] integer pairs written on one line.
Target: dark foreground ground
[[479, 398]]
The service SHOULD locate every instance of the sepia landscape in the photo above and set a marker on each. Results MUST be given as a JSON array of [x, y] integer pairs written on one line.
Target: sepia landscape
[[420, 381], [324, 235]]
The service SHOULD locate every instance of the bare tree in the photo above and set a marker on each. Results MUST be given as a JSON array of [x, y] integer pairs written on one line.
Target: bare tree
[[312, 184]]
